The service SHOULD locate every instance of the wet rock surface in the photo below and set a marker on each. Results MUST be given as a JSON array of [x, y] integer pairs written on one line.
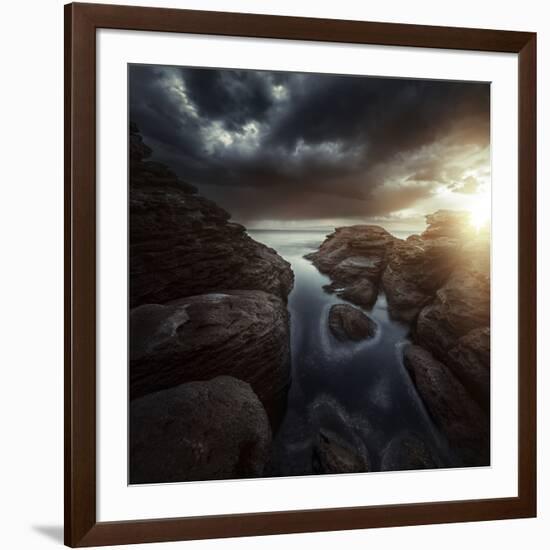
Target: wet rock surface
[[349, 323], [197, 431]]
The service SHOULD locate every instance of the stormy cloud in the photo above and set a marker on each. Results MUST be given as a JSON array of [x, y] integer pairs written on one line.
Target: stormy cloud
[[294, 146]]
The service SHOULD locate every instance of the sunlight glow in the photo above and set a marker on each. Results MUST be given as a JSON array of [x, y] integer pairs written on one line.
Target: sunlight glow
[[480, 213]]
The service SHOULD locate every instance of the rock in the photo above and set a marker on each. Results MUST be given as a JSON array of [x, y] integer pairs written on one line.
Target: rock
[[470, 362], [333, 456], [460, 418], [362, 293], [352, 252], [415, 270], [407, 452], [349, 323], [239, 333], [198, 431], [182, 244], [461, 305], [404, 298]]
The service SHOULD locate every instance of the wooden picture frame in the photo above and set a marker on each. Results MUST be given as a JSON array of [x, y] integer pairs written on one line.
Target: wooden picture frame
[[81, 23]]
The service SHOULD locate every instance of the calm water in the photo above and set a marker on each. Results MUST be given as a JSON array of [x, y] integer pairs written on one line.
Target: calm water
[[360, 391]]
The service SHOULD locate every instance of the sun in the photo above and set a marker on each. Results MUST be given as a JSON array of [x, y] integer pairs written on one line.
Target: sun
[[480, 213]]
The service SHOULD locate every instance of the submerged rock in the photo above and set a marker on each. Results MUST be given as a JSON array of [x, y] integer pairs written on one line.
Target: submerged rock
[[407, 452], [333, 456], [461, 419], [349, 323], [238, 333], [198, 431]]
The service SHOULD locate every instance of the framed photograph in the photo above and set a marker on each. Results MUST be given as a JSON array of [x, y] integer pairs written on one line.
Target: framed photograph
[[300, 274]]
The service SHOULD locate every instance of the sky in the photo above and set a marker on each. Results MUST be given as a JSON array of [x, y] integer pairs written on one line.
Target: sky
[[303, 150]]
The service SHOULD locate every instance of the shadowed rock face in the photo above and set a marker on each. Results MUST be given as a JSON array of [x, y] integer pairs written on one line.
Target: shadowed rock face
[[452, 408], [242, 333], [182, 244], [206, 300], [198, 431], [349, 323]]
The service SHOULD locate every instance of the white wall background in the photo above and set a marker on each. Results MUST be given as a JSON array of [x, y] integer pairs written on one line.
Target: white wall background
[[31, 203]]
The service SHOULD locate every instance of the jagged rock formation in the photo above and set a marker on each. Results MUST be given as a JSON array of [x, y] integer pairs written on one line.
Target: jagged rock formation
[[206, 300], [439, 283], [198, 431], [354, 258], [182, 244], [349, 323]]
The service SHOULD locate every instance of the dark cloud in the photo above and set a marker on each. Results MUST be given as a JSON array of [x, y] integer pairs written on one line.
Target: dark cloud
[[270, 145]]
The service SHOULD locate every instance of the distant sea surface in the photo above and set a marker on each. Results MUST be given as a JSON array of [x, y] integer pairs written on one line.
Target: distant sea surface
[[359, 391]]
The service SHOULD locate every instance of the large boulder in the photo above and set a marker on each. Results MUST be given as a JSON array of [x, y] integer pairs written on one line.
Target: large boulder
[[460, 418], [351, 252], [182, 244], [349, 323], [198, 431], [239, 333]]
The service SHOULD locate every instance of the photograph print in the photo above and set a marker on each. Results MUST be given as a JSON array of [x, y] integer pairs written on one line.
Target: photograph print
[[309, 274]]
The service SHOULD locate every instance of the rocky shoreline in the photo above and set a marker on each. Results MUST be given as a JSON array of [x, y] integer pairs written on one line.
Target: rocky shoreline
[[439, 284], [209, 333]]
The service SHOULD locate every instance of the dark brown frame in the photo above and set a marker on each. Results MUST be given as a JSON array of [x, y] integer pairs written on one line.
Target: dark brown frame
[[81, 23]]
